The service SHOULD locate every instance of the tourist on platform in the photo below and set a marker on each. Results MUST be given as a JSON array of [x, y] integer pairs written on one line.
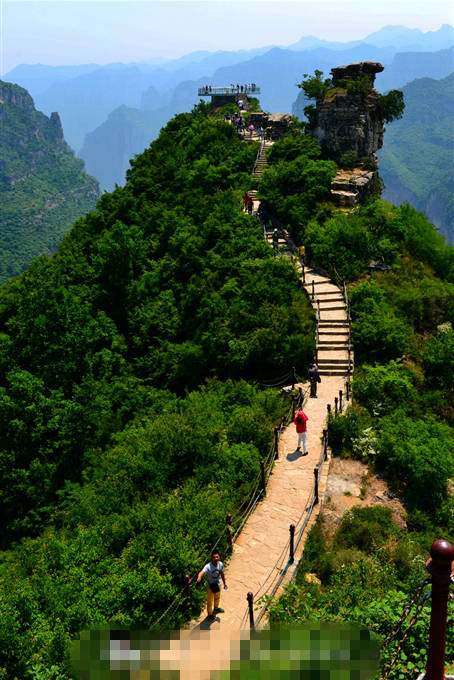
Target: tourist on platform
[[215, 572], [314, 379], [301, 429]]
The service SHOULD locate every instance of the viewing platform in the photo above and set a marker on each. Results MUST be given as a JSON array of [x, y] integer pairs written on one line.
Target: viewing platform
[[209, 91]]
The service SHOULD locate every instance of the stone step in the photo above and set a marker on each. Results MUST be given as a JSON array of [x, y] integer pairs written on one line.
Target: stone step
[[331, 309], [337, 323], [332, 372], [318, 282], [330, 362], [329, 292], [342, 348], [332, 332], [338, 343], [323, 300]]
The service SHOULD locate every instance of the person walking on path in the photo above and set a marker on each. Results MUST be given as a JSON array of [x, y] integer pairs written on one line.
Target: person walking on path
[[314, 379], [275, 239], [301, 429], [215, 572]]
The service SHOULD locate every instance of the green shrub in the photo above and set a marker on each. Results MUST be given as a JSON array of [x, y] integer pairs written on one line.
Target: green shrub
[[418, 457], [348, 160], [383, 388], [365, 528]]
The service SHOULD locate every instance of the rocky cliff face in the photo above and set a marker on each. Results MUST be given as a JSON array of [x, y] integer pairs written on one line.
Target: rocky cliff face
[[348, 119], [43, 187]]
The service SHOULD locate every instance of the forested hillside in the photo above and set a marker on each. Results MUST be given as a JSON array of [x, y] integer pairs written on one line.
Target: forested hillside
[[417, 161], [43, 187], [128, 428], [132, 410], [401, 423]]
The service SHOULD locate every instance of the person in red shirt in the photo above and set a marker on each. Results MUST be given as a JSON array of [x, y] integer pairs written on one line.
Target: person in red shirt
[[301, 429]]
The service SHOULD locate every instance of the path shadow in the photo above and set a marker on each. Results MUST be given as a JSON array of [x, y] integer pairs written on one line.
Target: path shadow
[[294, 455], [206, 623]]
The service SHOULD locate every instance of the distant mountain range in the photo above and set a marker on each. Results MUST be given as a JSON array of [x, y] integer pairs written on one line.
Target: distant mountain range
[[417, 159], [43, 187], [111, 112]]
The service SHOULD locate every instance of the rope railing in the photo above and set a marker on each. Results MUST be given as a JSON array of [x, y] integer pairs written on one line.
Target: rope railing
[[239, 518]]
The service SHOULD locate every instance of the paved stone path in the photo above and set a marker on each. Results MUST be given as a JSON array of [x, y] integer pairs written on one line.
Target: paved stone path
[[260, 554]]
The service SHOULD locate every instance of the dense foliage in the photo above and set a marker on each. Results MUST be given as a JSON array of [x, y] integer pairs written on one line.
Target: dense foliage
[[401, 423], [296, 179], [43, 187], [119, 460]]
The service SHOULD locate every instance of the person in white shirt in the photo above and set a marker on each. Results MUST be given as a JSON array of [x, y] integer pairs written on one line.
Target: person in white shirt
[[215, 572]]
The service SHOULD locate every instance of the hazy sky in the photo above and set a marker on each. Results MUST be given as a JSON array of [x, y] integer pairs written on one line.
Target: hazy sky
[[68, 32]]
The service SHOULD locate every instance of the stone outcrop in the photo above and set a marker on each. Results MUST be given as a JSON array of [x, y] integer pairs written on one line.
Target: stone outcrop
[[274, 124], [348, 119], [350, 187]]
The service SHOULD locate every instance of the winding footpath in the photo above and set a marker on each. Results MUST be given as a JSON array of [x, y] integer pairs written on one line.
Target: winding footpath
[[259, 561]]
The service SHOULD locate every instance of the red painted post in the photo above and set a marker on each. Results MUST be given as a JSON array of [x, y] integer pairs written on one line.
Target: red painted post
[[262, 474], [441, 568], [228, 521], [340, 401], [316, 486], [292, 544], [250, 601], [276, 443]]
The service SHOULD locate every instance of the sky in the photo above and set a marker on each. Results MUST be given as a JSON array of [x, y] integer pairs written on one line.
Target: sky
[[102, 31]]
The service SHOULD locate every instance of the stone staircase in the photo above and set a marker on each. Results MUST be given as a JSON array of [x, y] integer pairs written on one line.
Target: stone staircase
[[333, 338]]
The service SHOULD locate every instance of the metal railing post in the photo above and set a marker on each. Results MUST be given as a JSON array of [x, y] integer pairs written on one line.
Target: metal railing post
[[441, 568], [347, 390], [291, 558], [293, 407], [262, 476], [336, 400], [341, 394], [328, 408], [316, 486], [293, 377], [325, 443], [250, 602], [228, 521], [187, 582], [313, 290]]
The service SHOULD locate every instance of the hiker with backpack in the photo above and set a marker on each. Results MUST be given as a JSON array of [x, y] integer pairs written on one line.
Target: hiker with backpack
[[301, 430]]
